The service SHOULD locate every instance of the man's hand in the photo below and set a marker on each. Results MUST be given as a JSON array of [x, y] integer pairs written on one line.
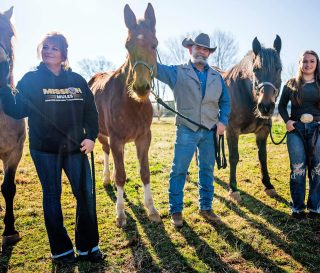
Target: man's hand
[[87, 146], [220, 128]]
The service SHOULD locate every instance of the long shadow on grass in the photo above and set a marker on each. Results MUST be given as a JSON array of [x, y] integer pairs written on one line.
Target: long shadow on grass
[[143, 261], [301, 235], [204, 251], [61, 268], [5, 256], [86, 267], [171, 259]]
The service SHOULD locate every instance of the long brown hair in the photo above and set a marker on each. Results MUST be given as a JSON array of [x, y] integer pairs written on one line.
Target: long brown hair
[[296, 84], [60, 40]]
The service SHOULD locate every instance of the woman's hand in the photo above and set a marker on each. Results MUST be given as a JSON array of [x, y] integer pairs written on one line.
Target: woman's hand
[[87, 146], [289, 125]]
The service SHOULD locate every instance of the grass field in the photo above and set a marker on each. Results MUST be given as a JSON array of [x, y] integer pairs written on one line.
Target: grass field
[[256, 236]]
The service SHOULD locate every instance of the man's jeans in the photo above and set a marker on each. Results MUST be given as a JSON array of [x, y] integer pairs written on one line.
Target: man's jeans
[[187, 141], [299, 167], [76, 167]]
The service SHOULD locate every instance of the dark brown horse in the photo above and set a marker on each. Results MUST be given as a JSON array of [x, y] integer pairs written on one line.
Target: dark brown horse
[[12, 132], [253, 86], [125, 111]]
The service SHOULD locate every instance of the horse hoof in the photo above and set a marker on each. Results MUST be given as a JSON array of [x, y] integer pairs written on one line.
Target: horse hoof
[[155, 217], [121, 222], [10, 240], [235, 195], [271, 192]]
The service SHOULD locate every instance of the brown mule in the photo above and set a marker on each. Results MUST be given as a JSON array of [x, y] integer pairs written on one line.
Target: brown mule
[[125, 110], [12, 133]]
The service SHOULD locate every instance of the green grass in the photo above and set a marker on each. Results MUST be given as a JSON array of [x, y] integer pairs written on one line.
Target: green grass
[[256, 236]]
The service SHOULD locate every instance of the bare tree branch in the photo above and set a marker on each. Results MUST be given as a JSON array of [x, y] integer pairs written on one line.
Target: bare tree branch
[[89, 67]]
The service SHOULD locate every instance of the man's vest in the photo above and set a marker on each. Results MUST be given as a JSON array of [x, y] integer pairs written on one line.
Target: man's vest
[[188, 97]]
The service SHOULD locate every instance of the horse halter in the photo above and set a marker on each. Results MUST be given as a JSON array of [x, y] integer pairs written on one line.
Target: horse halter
[[257, 87], [150, 67]]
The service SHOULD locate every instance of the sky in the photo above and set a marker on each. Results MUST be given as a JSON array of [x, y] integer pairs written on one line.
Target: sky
[[96, 27]]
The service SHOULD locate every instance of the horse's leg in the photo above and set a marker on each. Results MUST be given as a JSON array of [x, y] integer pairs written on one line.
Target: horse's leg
[[261, 141], [117, 149], [106, 151], [142, 145], [8, 188], [233, 140]]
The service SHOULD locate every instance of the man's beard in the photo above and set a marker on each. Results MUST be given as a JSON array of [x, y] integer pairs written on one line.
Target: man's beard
[[198, 59]]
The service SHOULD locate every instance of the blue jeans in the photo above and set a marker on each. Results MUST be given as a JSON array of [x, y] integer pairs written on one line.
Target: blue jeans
[[187, 141], [76, 167], [300, 165]]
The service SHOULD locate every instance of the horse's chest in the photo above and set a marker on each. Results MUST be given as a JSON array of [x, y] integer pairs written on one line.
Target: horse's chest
[[129, 121]]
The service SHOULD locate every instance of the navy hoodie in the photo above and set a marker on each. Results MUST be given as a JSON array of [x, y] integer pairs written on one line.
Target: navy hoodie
[[61, 110]]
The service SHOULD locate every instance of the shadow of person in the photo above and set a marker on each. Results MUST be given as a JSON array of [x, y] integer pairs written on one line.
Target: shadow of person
[[99, 267], [248, 253], [63, 268], [301, 234], [204, 251], [171, 259]]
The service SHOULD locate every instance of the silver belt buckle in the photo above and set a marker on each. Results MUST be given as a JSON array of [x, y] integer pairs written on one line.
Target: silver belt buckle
[[306, 118]]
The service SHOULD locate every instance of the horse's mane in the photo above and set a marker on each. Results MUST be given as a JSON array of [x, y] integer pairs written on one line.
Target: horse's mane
[[7, 28], [267, 58]]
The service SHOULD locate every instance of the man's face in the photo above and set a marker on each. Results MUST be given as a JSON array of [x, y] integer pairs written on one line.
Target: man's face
[[199, 54]]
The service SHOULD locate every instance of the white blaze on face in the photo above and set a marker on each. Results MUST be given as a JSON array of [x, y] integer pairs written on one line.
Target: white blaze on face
[[140, 37]]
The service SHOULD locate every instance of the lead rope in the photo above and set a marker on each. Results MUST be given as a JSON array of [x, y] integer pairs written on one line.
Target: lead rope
[[271, 136], [221, 163]]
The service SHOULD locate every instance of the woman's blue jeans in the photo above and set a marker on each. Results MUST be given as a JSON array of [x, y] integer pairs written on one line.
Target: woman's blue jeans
[[300, 165], [187, 141], [76, 167]]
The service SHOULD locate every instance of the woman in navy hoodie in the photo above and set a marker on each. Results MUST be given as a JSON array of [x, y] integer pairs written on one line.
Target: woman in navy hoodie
[[63, 126]]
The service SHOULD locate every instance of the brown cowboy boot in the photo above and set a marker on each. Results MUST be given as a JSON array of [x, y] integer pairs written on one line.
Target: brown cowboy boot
[[177, 219], [210, 216]]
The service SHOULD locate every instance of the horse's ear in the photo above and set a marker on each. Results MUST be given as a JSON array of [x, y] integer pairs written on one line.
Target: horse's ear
[[256, 46], [277, 44], [149, 15], [8, 13], [129, 17]]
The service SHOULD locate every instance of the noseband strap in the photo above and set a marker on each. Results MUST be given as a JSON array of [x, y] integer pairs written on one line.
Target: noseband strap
[[150, 67], [259, 86]]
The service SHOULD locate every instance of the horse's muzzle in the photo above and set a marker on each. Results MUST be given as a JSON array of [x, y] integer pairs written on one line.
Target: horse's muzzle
[[266, 109]]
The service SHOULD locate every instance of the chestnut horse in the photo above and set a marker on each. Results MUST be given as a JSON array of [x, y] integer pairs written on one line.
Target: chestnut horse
[[125, 111], [253, 86], [12, 133]]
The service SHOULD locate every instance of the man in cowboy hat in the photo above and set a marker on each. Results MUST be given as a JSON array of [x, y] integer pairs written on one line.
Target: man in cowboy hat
[[201, 95]]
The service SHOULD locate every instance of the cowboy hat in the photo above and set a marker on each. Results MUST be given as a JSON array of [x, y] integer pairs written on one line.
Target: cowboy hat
[[201, 40]]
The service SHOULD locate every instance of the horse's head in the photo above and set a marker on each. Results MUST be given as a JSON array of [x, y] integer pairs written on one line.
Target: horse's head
[[266, 77], [6, 54], [141, 44]]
